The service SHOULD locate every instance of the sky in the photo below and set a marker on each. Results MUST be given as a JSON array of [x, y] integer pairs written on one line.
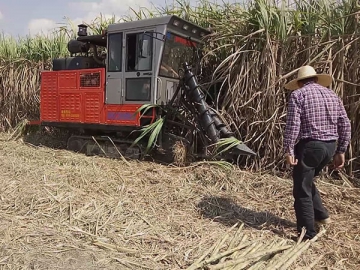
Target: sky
[[21, 17], [24, 17]]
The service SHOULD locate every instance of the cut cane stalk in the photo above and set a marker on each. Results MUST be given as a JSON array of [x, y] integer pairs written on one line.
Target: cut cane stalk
[[261, 262], [280, 259], [301, 250], [219, 246], [315, 262], [233, 240], [252, 251], [237, 234], [250, 257], [207, 252], [220, 255]]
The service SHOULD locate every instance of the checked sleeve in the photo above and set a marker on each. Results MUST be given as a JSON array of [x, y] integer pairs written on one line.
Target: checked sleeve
[[344, 129], [292, 123]]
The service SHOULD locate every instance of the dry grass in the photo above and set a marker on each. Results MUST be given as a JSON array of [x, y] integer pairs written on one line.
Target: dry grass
[[61, 210], [180, 153]]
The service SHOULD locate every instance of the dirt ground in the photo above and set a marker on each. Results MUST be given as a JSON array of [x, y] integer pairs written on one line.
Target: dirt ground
[[61, 210]]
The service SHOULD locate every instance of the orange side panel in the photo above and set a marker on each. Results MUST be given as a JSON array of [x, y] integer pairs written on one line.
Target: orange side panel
[[81, 95], [77, 96], [70, 107], [48, 96], [122, 114], [93, 106], [68, 80]]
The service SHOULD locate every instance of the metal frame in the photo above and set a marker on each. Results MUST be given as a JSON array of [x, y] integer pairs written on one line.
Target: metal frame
[[159, 26], [165, 20], [138, 74]]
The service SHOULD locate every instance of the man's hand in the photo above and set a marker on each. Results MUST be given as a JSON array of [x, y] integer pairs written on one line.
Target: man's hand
[[291, 160], [339, 161]]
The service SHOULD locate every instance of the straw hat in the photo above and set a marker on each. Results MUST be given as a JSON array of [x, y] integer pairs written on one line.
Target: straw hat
[[308, 72]]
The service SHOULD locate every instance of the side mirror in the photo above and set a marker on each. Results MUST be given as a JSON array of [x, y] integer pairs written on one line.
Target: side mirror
[[144, 48]]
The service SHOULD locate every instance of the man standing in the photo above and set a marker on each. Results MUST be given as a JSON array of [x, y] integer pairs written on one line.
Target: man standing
[[317, 118]]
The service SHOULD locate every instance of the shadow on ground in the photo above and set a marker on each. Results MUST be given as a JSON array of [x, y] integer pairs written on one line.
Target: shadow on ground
[[224, 210], [50, 138]]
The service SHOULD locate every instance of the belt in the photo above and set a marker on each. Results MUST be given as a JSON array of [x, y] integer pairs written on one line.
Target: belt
[[305, 140]]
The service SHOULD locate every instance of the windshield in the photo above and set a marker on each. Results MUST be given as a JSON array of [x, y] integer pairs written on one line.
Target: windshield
[[177, 50]]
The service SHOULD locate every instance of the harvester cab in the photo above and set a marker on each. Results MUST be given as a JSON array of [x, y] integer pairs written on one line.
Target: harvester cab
[[97, 92], [142, 58]]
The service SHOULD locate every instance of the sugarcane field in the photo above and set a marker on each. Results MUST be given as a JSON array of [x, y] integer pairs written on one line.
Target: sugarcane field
[[170, 137]]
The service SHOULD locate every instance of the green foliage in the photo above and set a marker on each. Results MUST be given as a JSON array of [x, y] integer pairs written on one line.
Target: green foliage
[[153, 130], [225, 144], [144, 108], [252, 51]]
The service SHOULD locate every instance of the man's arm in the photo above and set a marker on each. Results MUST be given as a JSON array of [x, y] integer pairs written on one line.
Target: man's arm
[[344, 129], [292, 124]]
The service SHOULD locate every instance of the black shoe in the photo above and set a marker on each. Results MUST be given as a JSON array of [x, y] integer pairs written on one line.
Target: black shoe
[[305, 238]]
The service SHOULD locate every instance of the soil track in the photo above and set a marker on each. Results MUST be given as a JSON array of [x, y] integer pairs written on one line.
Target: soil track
[[61, 210]]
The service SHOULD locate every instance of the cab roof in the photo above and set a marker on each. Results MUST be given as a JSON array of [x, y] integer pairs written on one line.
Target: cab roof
[[170, 20], [173, 22]]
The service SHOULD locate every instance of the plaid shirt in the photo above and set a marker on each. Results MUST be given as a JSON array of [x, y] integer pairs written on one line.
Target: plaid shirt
[[317, 113]]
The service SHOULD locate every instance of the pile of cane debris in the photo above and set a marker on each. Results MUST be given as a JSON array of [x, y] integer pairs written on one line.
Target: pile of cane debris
[[61, 210], [240, 253]]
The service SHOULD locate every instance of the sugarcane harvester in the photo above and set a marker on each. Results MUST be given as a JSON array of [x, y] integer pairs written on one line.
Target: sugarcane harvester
[[97, 92]]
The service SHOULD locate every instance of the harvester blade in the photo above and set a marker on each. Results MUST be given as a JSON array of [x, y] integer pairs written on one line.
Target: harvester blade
[[242, 149]]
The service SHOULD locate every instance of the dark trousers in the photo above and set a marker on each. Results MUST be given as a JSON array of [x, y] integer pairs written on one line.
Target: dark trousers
[[312, 157]]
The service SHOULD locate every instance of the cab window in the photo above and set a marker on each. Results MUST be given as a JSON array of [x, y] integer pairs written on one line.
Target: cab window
[[138, 89], [115, 52], [177, 50], [139, 48]]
